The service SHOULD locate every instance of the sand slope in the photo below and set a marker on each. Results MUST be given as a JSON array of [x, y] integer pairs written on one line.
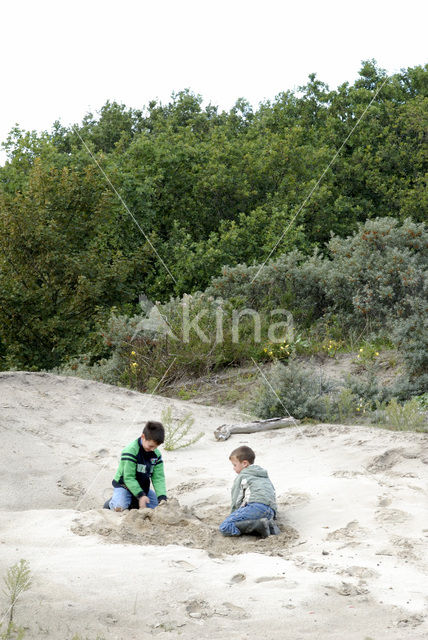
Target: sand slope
[[351, 560]]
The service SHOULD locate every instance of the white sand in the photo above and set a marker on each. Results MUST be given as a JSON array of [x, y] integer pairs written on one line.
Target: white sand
[[351, 562]]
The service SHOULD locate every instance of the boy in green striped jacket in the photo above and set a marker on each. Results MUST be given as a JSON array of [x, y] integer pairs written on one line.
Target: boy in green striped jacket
[[140, 463]]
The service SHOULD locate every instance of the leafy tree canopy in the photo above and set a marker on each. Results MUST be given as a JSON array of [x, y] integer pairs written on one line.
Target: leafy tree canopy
[[158, 199]]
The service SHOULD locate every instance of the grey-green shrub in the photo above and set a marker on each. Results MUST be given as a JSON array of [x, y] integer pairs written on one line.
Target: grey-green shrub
[[293, 390], [376, 272], [368, 388]]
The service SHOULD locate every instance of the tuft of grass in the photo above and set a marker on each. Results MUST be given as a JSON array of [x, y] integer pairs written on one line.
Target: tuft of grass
[[346, 406], [187, 394], [404, 417], [177, 430]]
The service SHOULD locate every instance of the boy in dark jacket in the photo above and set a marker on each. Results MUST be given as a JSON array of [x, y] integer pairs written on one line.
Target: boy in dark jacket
[[253, 498], [140, 463]]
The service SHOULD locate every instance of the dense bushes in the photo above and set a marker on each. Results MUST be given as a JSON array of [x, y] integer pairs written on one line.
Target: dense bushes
[[184, 337], [369, 285], [292, 390], [209, 189], [379, 273], [298, 391], [368, 278], [375, 281]]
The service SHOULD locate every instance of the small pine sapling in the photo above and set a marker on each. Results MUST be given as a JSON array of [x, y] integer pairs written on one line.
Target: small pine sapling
[[177, 430], [16, 581]]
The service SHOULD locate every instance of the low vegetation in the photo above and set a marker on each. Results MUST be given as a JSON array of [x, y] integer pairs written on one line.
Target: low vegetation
[[16, 582]]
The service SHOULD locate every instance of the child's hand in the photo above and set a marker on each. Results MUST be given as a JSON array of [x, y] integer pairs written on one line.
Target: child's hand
[[143, 502]]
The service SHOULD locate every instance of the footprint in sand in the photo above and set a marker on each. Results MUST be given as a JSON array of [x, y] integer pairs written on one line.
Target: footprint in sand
[[230, 610], [352, 530], [384, 501], [198, 609], [268, 579], [343, 473], [364, 573], [394, 516], [405, 547], [101, 453], [70, 489], [191, 485], [293, 499], [410, 621], [314, 567], [349, 589], [182, 564], [385, 461], [193, 471]]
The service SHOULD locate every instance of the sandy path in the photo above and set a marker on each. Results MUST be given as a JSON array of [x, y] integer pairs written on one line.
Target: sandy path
[[351, 560]]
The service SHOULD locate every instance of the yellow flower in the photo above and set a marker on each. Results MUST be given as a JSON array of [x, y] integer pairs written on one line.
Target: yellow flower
[[361, 349], [133, 353], [377, 353], [134, 364], [358, 408]]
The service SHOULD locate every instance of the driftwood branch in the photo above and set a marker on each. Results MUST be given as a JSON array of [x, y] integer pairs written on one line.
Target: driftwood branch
[[225, 430]]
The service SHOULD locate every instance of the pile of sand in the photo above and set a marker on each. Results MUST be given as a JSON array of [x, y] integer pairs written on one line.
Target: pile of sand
[[172, 524], [350, 562]]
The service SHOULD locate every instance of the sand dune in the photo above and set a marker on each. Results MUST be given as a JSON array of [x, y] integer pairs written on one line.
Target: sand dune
[[351, 560]]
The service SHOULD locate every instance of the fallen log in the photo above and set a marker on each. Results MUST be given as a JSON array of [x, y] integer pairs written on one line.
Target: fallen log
[[225, 430]]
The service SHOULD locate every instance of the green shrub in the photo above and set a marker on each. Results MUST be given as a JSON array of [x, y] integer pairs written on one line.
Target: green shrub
[[422, 401], [406, 387], [405, 417], [345, 406], [368, 389], [293, 282], [293, 390], [411, 336], [375, 272]]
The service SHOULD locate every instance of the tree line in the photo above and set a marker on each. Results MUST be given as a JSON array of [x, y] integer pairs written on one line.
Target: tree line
[[157, 200]]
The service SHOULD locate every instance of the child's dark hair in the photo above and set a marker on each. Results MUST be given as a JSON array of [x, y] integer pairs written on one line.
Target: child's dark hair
[[243, 453], [154, 431]]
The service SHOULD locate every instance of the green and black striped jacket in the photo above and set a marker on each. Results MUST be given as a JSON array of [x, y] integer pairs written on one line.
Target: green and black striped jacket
[[137, 468]]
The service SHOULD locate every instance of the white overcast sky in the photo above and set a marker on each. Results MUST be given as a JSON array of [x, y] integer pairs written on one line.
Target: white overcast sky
[[61, 59]]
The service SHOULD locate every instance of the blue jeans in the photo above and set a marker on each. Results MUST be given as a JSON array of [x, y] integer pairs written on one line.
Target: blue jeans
[[252, 511], [122, 498]]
